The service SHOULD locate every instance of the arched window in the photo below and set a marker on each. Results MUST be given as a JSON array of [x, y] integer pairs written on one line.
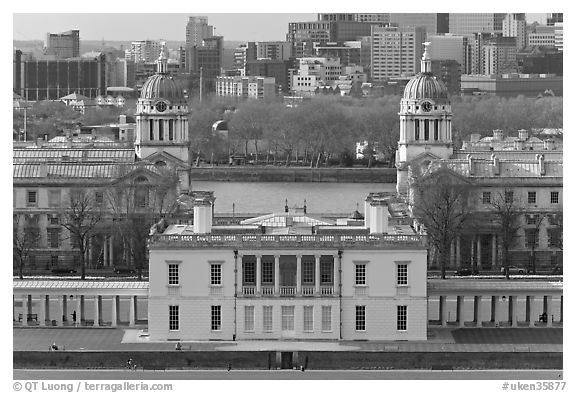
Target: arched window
[[160, 163]]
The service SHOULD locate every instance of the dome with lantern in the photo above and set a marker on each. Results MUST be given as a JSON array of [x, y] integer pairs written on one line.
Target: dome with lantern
[[161, 85], [425, 84]]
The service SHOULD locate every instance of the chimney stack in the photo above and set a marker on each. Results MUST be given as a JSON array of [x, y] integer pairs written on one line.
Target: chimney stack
[[379, 213], [497, 135], [203, 202]]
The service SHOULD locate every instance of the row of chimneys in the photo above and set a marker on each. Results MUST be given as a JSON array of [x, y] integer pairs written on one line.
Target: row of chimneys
[[375, 211], [496, 164]]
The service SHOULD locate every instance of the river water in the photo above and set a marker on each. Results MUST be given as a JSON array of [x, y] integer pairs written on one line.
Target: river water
[[262, 197]]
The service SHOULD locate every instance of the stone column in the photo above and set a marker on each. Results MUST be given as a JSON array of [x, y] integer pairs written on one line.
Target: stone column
[[496, 307], [82, 308], [458, 256], [64, 308], [135, 309], [28, 305], [258, 274], [105, 251], [529, 308], [479, 252], [478, 311], [548, 303], [443, 311], [111, 251], [336, 269], [512, 311], [452, 254], [460, 310], [46, 310], [472, 254], [97, 306], [277, 274], [299, 274], [131, 316], [317, 275], [494, 253], [239, 275], [115, 300], [493, 309]]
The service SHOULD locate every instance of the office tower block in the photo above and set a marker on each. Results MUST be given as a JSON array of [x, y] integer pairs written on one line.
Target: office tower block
[[396, 51], [472, 23], [514, 25], [63, 45]]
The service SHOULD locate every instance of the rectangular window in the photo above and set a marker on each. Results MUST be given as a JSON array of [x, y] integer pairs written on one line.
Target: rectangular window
[[54, 219], [531, 237], [267, 272], [554, 237], [98, 197], [173, 274], [554, 196], [249, 273], [215, 274], [509, 197], [307, 272], [402, 274], [326, 318], [216, 318], [401, 317], [326, 272], [308, 318], [249, 318], [287, 318], [531, 196], [54, 238], [486, 197], [54, 198], [360, 274], [267, 318], [360, 318], [32, 198], [54, 261], [173, 318]]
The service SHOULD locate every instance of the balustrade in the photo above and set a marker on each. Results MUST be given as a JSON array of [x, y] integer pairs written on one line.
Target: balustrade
[[326, 290], [308, 291], [287, 291], [248, 290], [267, 290]]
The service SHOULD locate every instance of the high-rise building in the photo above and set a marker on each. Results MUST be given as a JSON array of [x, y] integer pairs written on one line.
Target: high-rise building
[[256, 87], [559, 36], [207, 57], [552, 19], [396, 51], [64, 45], [146, 51], [349, 52], [448, 47], [468, 23], [448, 71], [514, 25], [277, 69], [197, 29], [337, 17], [275, 50], [52, 79], [542, 36], [500, 56], [242, 54], [432, 23]]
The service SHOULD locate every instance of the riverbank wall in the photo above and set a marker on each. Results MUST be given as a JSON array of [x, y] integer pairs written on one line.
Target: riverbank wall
[[293, 174]]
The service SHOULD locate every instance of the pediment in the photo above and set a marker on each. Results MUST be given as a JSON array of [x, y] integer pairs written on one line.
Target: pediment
[[166, 157]]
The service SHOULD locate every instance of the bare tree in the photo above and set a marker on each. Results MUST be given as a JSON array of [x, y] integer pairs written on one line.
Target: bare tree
[[506, 211], [532, 235], [136, 204], [81, 218], [440, 202], [24, 240]]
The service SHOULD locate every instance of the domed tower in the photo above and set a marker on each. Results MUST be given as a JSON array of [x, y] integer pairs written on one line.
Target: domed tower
[[425, 123], [162, 116]]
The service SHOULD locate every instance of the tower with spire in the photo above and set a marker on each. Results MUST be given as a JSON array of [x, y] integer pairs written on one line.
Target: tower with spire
[[425, 123], [162, 118]]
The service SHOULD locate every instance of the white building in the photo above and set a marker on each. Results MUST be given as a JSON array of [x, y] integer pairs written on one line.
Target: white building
[[288, 276], [396, 51], [258, 87]]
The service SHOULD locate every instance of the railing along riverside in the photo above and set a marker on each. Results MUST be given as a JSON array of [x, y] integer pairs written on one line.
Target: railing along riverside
[[255, 240]]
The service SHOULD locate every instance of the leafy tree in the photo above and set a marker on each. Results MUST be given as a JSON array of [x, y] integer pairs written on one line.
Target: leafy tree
[[440, 202], [248, 123]]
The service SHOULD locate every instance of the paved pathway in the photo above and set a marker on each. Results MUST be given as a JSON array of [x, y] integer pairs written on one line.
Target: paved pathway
[[439, 340]]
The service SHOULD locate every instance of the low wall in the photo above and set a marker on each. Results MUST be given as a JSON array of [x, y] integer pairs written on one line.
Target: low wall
[[267, 359], [294, 174]]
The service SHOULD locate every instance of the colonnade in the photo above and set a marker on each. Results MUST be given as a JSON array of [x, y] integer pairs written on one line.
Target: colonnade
[[475, 251], [529, 318], [69, 305]]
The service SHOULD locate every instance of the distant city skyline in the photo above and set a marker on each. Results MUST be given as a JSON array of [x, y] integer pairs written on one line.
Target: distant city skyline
[[164, 26]]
